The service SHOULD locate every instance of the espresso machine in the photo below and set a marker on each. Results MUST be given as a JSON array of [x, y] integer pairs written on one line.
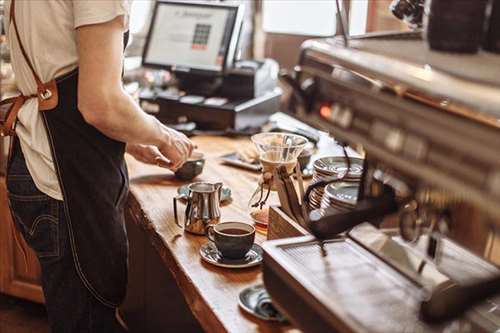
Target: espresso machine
[[428, 125]]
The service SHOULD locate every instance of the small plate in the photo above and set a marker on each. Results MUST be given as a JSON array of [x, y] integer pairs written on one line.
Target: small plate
[[234, 160], [344, 193], [225, 193], [248, 301], [335, 165], [210, 254]]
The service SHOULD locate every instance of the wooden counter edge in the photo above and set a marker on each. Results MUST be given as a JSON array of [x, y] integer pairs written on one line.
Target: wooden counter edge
[[199, 306]]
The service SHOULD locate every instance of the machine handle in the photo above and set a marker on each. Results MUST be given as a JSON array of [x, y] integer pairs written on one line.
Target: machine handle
[[289, 79], [324, 227], [449, 303], [302, 90]]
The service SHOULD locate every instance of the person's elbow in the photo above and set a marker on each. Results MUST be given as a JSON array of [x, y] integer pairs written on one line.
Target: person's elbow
[[97, 106]]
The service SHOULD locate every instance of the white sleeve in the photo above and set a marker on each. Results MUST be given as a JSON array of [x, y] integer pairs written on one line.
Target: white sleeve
[[100, 11]]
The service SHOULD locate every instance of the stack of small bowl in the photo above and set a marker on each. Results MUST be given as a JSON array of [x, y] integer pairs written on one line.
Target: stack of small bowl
[[327, 167]]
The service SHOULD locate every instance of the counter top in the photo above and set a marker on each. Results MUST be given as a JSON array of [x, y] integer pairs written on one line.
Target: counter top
[[211, 292]]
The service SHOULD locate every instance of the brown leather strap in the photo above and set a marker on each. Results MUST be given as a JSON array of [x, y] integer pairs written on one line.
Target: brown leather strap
[[46, 92], [23, 51], [7, 126]]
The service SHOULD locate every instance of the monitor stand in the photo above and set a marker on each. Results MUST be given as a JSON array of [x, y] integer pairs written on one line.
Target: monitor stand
[[198, 84]]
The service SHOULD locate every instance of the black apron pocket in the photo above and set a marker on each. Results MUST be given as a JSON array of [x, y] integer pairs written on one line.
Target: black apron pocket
[[36, 215], [123, 192]]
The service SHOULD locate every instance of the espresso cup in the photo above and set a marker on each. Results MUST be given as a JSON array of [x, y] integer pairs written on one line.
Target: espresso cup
[[192, 167], [232, 239]]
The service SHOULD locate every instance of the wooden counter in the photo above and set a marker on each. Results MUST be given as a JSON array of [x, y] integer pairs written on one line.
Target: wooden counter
[[211, 292]]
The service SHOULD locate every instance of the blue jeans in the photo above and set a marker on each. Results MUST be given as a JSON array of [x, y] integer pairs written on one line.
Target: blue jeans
[[41, 221]]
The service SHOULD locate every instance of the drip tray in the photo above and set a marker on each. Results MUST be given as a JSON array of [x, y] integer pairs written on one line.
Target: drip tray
[[367, 283]]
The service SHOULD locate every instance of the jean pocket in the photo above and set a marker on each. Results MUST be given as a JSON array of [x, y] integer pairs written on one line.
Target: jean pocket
[[36, 215]]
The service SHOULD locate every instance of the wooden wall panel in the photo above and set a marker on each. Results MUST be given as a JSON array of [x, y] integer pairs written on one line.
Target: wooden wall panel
[[19, 276], [380, 17]]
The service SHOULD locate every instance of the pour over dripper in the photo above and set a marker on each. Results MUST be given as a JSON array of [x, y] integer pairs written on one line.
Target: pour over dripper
[[275, 150]]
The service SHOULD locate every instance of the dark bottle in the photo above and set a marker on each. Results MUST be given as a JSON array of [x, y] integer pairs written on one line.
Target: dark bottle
[[455, 25], [492, 40], [410, 11]]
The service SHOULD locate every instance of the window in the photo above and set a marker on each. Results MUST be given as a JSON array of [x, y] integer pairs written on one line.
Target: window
[[139, 14], [304, 17]]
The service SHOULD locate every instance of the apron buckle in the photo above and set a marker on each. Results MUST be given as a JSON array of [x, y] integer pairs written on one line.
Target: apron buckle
[[47, 94]]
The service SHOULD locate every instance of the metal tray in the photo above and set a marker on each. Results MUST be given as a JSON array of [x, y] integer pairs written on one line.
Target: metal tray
[[353, 289]]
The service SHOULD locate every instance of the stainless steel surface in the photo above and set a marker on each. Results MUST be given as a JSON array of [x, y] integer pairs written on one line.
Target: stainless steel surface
[[433, 118], [471, 80], [203, 207], [369, 282]]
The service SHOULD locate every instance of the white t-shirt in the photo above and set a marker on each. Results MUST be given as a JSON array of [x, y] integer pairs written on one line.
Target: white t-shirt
[[47, 30]]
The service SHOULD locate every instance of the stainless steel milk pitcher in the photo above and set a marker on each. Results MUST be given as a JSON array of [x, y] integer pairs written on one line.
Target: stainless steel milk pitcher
[[202, 209]]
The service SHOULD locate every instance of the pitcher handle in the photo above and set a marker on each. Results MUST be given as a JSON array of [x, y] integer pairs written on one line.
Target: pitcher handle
[[175, 209], [218, 187]]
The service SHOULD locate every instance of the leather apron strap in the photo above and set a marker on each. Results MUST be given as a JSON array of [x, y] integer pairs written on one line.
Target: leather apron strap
[[23, 52], [46, 92]]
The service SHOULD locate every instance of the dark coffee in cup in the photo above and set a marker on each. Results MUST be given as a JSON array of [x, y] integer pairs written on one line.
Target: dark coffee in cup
[[232, 239], [235, 231]]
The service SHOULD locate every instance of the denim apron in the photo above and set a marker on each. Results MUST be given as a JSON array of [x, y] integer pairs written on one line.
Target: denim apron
[[93, 178], [94, 182]]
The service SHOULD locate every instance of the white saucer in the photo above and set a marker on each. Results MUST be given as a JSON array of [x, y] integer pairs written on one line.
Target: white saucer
[[210, 254]]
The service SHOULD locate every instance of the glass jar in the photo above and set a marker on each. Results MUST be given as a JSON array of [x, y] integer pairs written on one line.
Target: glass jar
[[275, 150]]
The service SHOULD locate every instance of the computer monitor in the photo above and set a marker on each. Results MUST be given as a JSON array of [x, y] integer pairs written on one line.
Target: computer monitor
[[195, 37]]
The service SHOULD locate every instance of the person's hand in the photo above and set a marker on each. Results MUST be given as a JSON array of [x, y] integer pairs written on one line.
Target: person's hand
[[175, 146], [170, 152], [148, 154]]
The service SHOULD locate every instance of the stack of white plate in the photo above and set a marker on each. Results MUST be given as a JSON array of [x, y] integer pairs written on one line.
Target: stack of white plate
[[327, 167], [342, 196]]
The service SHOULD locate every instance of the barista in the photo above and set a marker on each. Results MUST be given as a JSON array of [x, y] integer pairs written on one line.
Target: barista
[[67, 179]]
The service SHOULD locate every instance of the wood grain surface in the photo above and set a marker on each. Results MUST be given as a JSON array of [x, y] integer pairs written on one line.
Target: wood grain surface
[[282, 226], [211, 292], [20, 276]]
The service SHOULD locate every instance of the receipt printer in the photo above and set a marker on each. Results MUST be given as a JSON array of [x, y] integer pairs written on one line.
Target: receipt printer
[[250, 78]]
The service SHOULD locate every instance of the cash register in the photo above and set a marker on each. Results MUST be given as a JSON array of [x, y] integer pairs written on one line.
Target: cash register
[[197, 42]]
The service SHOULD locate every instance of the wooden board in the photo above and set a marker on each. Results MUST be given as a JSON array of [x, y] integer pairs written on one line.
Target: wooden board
[[282, 226], [211, 292]]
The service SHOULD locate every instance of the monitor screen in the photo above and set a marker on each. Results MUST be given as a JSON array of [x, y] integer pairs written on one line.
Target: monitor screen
[[191, 35]]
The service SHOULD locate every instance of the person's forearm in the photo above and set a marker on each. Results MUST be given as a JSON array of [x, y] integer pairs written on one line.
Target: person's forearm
[[123, 120]]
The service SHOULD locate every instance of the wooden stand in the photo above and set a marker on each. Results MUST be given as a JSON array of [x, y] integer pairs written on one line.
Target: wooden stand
[[282, 226]]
